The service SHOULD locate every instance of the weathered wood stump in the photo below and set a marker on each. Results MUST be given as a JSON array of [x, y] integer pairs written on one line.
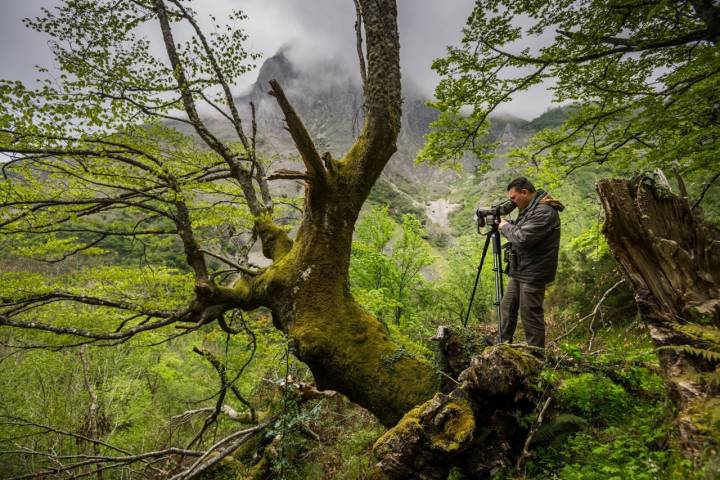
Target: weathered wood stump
[[672, 260], [474, 427]]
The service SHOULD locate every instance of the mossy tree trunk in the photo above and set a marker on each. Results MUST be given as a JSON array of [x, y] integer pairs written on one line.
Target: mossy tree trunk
[[307, 287], [672, 260]]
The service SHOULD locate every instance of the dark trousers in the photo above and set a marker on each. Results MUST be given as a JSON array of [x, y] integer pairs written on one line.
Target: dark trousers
[[527, 299]]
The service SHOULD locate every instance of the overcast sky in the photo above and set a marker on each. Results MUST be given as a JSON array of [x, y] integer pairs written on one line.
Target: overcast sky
[[315, 28]]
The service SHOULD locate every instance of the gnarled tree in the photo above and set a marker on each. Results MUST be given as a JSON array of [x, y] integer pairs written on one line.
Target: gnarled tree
[[90, 158]]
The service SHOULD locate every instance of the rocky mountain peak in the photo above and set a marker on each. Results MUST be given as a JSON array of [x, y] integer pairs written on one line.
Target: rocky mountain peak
[[277, 67]]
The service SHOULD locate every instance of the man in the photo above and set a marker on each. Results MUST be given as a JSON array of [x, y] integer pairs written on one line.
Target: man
[[535, 243]]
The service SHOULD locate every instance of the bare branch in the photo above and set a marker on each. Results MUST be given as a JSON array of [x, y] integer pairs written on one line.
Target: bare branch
[[358, 44], [526, 448], [208, 459], [591, 314], [239, 173], [92, 415], [59, 296], [623, 48], [301, 137], [80, 332], [706, 187]]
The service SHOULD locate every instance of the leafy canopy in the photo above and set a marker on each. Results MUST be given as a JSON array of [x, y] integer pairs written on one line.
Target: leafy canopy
[[642, 77]]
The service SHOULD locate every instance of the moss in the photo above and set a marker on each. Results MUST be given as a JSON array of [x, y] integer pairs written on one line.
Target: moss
[[457, 429], [524, 362], [390, 360], [227, 469], [349, 349], [258, 471], [239, 293], [408, 427], [275, 241]]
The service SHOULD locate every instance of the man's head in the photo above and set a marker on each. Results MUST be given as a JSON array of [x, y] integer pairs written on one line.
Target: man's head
[[521, 192]]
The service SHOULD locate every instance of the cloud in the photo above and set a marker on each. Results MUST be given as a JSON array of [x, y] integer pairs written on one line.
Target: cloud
[[318, 30]]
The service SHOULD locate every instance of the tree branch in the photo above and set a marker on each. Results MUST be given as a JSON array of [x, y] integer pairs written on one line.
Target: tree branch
[[707, 186], [239, 173], [301, 137], [591, 314], [358, 45], [80, 332]]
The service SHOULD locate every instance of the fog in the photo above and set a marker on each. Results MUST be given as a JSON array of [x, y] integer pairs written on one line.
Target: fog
[[317, 30]]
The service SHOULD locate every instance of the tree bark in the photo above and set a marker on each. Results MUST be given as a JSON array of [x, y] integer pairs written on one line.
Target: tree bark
[[307, 287], [672, 259], [475, 427]]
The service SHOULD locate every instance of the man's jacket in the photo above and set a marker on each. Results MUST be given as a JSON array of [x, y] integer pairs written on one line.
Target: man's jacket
[[535, 238]]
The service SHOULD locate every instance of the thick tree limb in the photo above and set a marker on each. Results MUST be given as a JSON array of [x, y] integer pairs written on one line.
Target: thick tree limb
[[286, 174]]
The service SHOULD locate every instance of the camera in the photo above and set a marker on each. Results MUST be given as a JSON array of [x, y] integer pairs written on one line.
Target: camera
[[495, 211]]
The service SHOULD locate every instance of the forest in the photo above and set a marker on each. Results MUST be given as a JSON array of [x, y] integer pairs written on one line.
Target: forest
[[204, 282]]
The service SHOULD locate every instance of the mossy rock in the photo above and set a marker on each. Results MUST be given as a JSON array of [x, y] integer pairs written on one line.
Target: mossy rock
[[426, 438]]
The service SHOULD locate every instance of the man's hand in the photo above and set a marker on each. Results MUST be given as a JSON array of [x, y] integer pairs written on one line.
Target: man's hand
[[502, 223]]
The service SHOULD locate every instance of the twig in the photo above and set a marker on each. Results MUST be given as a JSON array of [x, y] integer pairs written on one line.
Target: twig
[[198, 467], [591, 314], [92, 416], [526, 448]]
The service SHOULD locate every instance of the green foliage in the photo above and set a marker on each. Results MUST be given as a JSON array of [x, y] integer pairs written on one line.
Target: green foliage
[[612, 431], [642, 79], [594, 397], [451, 293], [385, 269], [111, 76], [554, 432], [452, 135], [387, 193], [706, 336]]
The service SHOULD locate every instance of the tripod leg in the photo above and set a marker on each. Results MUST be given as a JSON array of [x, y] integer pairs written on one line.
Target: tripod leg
[[477, 277], [497, 268]]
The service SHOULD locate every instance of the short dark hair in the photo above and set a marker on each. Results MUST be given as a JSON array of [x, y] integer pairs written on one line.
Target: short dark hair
[[521, 183]]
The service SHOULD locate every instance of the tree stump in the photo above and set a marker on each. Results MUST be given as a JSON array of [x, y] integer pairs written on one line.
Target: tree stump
[[474, 427], [672, 260]]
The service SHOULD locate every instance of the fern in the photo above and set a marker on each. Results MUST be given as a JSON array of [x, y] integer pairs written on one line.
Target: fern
[[705, 333], [558, 429], [709, 355]]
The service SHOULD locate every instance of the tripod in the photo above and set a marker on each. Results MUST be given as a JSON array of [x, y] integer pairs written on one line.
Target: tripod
[[492, 236]]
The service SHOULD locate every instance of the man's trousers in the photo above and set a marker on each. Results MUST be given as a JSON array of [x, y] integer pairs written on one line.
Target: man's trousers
[[526, 299]]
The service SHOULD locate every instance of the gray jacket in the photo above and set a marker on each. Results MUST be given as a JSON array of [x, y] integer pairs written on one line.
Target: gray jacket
[[535, 238]]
